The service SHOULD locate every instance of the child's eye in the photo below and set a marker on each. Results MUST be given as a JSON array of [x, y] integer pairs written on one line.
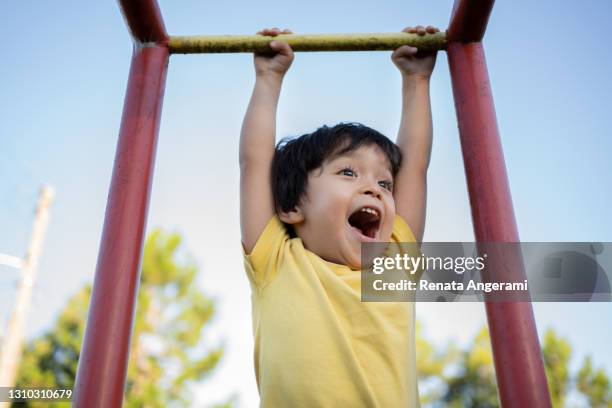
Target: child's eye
[[386, 184], [348, 172]]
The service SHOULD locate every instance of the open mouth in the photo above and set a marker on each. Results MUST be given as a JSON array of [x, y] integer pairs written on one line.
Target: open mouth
[[366, 220]]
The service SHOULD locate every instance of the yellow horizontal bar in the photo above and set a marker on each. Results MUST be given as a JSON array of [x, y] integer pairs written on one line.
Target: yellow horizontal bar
[[311, 42]]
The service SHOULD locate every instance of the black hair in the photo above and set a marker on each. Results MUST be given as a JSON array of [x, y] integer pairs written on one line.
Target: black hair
[[294, 158]]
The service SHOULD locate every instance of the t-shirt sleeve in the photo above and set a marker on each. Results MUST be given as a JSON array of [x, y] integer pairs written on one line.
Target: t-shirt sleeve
[[261, 264], [401, 231]]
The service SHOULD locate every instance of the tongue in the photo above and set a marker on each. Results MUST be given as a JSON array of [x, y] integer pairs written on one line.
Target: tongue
[[360, 232], [364, 222]]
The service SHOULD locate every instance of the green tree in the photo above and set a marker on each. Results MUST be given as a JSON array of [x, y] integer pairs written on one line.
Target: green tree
[[595, 385], [166, 354], [556, 353], [473, 384], [468, 378], [431, 363], [51, 359]]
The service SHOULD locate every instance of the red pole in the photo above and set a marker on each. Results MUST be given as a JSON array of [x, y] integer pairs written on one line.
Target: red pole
[[469, 20], [144, 19], [104, 356], [516, 350], [103, 361]]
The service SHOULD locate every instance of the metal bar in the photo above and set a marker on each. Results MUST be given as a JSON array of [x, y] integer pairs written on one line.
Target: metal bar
[[516, 350], [469, 20], [144, 20], [311, 42], [103, 361]]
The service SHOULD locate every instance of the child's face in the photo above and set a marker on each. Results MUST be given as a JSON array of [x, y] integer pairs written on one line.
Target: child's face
[[348, 201]]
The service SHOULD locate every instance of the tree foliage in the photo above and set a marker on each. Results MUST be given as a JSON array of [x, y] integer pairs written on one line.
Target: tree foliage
[[556, 354], [167, 353], [51, 359], [473, 383], [595, 385], [468, 377]]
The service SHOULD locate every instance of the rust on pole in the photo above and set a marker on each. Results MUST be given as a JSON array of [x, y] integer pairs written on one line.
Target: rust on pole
[[144, 20], [103, 361], [469, 20], [516, 349], [310, 42]]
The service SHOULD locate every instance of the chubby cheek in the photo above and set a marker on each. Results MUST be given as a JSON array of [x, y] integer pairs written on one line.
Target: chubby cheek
[[330, 215], [388, 224], [388, 229], [335, 207]]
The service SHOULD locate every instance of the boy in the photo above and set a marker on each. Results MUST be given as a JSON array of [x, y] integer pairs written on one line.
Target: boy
[[305, 209]]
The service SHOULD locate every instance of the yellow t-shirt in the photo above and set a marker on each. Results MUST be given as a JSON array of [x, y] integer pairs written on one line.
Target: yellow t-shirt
[[316, 343]]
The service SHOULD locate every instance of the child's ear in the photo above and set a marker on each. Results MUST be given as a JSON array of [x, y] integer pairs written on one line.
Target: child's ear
[[294, 216]]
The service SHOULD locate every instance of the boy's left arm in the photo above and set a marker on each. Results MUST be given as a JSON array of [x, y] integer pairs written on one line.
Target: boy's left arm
[[415, 132]]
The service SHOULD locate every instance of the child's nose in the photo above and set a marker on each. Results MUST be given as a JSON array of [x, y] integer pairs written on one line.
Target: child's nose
[[373, 190], [375, 194]]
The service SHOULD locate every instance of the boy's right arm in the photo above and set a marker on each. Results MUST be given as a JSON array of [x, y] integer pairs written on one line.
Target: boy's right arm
[[257, 140]]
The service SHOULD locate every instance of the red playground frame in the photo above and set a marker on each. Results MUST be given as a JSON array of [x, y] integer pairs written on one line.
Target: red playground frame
[[102, 368]]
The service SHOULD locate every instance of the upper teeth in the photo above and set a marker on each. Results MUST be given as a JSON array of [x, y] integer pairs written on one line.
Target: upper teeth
[[369, 210]]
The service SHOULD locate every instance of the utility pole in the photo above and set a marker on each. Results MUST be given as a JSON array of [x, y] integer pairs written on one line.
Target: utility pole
[[12, 344]]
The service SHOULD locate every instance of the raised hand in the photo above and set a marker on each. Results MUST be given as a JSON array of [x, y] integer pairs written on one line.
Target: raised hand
[[412, 62], [278, 63]]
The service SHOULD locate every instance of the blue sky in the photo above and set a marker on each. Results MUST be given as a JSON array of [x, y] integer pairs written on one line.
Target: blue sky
[[64, 71]]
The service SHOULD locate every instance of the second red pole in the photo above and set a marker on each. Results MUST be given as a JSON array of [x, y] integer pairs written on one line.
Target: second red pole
[[516, 350]]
